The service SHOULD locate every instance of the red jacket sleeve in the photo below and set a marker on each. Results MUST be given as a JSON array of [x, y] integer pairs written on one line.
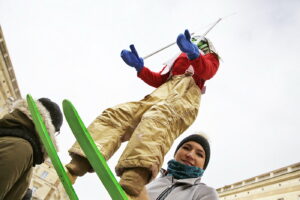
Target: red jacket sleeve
[[154, 79], [206, 66]]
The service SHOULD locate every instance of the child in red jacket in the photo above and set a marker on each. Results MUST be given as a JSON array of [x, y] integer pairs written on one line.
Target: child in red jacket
[[152, 124]]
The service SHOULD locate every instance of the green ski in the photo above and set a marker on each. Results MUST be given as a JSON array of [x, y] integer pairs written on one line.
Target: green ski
[[47, 142], [92, 153]]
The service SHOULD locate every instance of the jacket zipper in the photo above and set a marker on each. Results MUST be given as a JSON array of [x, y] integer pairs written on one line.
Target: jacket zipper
[[166, 192]]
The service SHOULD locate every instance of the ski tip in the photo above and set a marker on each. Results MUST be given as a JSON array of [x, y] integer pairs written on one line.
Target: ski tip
[[28, 96], [68, 107], [66, 102]]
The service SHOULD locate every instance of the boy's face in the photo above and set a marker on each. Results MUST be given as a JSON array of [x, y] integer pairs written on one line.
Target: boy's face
[[191, 153]]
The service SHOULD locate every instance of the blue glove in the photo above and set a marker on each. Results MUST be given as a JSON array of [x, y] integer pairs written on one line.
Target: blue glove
[[185, 45], [132, 58]]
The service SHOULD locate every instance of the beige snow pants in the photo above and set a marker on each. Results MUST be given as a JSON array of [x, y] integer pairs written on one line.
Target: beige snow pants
[[150, 126]]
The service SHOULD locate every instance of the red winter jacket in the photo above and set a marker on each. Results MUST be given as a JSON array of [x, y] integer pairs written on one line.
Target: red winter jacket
[[205, 67]]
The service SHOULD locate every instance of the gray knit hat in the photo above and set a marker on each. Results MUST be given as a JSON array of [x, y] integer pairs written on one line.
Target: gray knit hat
[[200, 140]]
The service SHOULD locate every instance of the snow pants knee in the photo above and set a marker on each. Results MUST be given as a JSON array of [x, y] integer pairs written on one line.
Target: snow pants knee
[[150, 125], [16, 157]]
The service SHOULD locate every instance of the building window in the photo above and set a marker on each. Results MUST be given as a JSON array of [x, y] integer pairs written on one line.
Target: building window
[[33, 189], [44, 175]]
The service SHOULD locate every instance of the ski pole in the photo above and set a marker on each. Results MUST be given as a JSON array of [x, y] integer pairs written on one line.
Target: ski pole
[[155, 52], [204, 34]]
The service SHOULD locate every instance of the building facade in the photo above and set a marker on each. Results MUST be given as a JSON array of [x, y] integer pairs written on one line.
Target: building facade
[[45, 183], [280, 184], [9, 89]]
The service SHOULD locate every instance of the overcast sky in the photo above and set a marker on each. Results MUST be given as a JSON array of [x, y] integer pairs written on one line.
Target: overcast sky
[[71, 50]]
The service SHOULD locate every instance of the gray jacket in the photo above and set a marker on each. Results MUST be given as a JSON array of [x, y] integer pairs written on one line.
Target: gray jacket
[[168, 188]]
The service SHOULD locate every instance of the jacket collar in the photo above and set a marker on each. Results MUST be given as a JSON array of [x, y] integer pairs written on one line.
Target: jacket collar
[[188, 181], [22, 106]]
